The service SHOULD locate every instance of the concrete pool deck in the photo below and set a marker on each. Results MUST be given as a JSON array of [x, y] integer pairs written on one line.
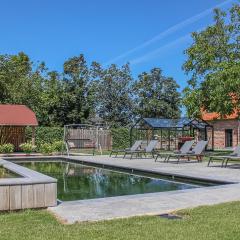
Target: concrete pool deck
[[152, 203]]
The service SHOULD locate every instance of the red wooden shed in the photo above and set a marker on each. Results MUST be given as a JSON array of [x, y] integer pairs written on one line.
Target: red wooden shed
[[13, 121]]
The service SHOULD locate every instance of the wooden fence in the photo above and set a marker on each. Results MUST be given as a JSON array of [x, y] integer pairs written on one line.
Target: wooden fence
[[81, 137]]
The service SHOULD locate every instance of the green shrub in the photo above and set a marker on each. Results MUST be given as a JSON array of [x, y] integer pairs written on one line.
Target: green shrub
[[28, 147], [120, 137], [58, 146], [46, 134], [6, 148], [46, 148]]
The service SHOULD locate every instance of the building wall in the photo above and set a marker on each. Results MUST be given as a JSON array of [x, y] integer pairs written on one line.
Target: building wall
[[219, 132]]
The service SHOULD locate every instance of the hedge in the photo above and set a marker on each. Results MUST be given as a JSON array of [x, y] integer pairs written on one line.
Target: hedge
[[120, 137], [45, 134]]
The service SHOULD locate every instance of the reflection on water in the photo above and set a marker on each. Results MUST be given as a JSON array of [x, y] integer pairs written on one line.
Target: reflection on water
[[77, 181], [5, 173]]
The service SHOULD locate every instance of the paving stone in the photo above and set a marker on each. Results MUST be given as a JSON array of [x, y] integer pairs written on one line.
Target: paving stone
[[153, 203]]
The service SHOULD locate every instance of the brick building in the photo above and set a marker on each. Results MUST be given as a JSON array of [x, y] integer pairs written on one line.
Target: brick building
[[226, 131]]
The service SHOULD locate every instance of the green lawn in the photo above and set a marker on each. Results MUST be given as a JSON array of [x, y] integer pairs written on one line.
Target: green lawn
[[215, 222]]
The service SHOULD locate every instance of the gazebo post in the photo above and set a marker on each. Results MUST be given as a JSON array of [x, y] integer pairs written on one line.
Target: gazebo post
[[33, 135], [161, 138], [169, 139]]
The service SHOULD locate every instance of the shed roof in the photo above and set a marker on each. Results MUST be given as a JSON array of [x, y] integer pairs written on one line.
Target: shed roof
[[17, 115]]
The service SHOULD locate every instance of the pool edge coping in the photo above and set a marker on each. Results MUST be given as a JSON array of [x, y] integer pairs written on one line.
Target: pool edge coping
[[27, 176]]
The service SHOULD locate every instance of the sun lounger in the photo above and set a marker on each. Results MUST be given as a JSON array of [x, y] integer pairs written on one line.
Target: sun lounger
[[150, 148], [197, 151], [234, 156], [186, 147], [134, 147]]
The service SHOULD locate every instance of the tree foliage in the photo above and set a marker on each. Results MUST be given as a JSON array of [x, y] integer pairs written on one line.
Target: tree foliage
[[84, 91], [113, 98], [76, 98], [213, 63], [156, 95], [20, 83]]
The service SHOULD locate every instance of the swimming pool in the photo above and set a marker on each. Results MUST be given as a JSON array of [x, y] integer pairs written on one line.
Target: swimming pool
[[79, 181], [6, 173]]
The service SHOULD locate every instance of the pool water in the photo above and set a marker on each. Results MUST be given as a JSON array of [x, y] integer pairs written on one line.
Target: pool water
[[77, 181], [5, 173]]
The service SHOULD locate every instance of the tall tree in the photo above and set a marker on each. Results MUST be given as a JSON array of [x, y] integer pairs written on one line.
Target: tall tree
[[213, 63], [157, 95], [113, 97], [51, 100], [14, 76], [77, 101], [20, 83]]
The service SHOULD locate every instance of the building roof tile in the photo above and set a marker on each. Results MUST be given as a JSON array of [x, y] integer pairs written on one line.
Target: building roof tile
[[17, 115]]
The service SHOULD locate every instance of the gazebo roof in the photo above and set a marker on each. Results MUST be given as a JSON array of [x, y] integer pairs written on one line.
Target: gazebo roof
[[17, 115], [166, 123], [158, 123]]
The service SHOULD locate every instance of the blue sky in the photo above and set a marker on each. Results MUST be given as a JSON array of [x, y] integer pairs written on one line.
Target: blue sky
[[146, 33]]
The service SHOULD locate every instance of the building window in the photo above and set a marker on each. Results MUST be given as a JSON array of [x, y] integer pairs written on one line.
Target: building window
[[228, 138]]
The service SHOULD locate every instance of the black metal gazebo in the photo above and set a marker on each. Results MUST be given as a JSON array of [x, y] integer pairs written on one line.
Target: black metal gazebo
[[171, 132]]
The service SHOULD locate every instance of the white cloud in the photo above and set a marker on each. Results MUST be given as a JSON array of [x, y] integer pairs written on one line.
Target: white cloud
[[169, 31], [157, 51]]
